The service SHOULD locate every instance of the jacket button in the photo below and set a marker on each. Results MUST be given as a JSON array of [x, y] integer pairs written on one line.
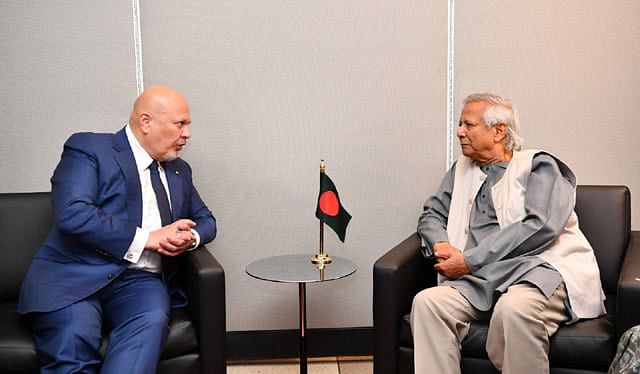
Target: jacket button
[[110, 276]]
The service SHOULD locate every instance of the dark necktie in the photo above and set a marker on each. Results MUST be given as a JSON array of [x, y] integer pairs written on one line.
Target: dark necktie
[[161, 195], [169, 266]]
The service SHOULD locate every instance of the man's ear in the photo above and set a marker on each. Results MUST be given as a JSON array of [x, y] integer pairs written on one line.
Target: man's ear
[[145, 122], [501, 132]]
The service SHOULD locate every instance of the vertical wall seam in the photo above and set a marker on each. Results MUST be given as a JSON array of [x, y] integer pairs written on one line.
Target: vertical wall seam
[[137, 46], [450, 81]]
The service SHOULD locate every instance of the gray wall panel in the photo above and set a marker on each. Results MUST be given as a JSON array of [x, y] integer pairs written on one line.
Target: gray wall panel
[[571, 68], [65, 66], [276, 86]]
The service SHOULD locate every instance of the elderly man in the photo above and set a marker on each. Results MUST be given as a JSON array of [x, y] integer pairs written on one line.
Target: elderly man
[[124, 207], [507, 248]]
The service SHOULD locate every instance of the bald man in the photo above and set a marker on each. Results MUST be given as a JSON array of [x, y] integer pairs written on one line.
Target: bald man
[[124, 208]]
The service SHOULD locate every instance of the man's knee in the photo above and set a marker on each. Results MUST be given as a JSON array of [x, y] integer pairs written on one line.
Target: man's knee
[[159, 322], [515, 308], [430, 300], [437, 304], [157, 317], [423, 297], [151, 324], [67, 340], [81, 320]]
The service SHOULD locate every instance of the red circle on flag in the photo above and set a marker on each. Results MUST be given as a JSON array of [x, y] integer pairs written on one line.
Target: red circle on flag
[[329, 204]]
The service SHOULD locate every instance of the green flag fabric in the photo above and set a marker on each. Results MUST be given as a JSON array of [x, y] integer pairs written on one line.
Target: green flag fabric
[[329, 209]]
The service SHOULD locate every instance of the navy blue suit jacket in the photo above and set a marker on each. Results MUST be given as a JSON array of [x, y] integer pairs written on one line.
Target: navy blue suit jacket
[[97, 205]]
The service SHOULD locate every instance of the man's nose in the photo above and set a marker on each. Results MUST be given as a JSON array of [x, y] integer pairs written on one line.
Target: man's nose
[[460, 133], [186, 132]]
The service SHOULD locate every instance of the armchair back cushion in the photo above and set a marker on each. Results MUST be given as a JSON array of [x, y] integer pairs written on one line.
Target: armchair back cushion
[[25, 220], [604, 216]]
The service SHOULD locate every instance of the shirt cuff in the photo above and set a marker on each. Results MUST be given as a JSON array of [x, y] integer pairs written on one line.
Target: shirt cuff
[[427, 243], [137, 246], [196, 243], [471, 261]]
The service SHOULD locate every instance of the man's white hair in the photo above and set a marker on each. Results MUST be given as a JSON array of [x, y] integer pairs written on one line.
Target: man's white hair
[[500, 110]]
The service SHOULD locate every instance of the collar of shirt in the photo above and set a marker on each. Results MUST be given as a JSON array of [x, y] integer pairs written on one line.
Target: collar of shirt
[[139, 154], [496, 165]]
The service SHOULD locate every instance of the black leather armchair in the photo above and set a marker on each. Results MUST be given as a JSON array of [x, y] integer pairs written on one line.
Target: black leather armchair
[[197, 336], [604, 214]]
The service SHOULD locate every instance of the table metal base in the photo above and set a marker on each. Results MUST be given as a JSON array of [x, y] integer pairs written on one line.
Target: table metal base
[[302, 298], [299, 268]]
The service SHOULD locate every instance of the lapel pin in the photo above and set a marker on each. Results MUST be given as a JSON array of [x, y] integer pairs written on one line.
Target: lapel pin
[[177, 172]]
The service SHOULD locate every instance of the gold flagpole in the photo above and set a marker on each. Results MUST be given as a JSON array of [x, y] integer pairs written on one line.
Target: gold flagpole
[[321, 259]]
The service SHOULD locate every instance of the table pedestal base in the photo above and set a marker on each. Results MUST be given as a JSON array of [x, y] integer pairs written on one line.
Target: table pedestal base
[[298, 269], [302, 297]]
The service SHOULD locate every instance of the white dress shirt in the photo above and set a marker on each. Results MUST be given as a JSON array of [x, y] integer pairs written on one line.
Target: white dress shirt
[[139, 258]]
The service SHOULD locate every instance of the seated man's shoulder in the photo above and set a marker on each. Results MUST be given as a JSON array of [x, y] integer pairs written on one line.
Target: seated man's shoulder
[[90, 141], [88, 138], [544, 156]]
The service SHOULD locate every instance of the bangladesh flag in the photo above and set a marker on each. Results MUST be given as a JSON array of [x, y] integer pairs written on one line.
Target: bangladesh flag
[[329, 209]]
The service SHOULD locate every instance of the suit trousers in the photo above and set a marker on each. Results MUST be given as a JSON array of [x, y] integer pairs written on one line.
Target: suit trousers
[[133, 311], [520, 324]]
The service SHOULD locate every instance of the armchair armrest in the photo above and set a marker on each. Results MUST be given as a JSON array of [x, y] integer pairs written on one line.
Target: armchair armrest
[[628, 298], [397, 276], [205, 288]]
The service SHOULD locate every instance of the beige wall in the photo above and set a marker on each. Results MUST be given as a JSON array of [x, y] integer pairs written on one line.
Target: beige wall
[[573, 70], [276, 86], [65, 66]]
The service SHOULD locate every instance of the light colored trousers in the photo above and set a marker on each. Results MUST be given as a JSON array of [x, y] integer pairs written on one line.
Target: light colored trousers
[[520, 325]]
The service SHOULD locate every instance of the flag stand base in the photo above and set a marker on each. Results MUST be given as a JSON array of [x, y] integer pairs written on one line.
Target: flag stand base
[[321, 259]]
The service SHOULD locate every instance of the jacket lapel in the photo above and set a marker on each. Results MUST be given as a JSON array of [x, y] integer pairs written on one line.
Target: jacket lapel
[[124, 158], [174, 179]]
